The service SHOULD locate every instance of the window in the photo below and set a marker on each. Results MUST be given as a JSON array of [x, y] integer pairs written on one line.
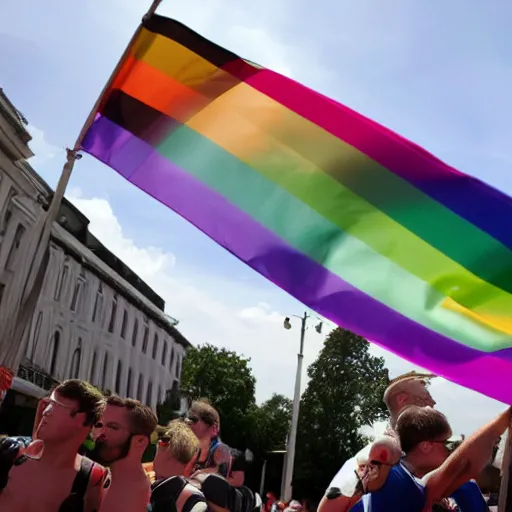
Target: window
[[178, 367], [149, 394], [75, 361], [118, 376], [146, 337], [2, 288], [164, 352], [92, 380], [20, 231], [124, 324], [171, 361], [113, 313], [35, 339], [129, 384], [54, 353], [76, 294], [155, 345], [61, 282], [78, 291], [8, 212], [135, 332], [159, 396], [104, 373], [98, 304], [139, 387]]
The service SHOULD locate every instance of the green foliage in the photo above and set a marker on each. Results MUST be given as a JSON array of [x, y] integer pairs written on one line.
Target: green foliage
[[269, 425], [170, 408], [344, 393], [226, 380]]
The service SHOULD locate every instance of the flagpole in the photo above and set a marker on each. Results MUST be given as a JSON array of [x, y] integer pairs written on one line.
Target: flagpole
[[31, 269], [505, 499]]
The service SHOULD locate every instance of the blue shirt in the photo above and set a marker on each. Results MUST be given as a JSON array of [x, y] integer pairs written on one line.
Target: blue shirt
[[403, 492]]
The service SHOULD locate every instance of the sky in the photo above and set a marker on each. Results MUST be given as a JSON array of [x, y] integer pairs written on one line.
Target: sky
[[438, 73]]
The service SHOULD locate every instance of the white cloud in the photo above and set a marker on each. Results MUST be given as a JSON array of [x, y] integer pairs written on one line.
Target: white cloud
[[147, 262], [206, 313], [44, 151], [254, 43]]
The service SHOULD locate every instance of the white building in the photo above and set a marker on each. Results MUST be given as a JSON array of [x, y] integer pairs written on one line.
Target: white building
[[95, 319]]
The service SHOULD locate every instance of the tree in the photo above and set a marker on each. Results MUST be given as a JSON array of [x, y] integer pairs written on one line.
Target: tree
[[344, 393], [169, 409], [276, 414], [225, 379]]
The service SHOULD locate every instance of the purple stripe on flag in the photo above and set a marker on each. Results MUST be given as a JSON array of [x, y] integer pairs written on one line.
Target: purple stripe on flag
[[293, 271]]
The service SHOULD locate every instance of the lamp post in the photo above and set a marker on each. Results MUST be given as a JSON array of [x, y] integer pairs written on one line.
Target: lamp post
[[286, 484]]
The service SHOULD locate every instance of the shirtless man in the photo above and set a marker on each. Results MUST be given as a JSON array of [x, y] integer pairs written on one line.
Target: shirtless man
[[204, 421], [60, 480], [122, 435]]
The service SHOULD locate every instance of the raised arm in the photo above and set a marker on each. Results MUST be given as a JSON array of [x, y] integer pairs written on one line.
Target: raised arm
[[467, 461]]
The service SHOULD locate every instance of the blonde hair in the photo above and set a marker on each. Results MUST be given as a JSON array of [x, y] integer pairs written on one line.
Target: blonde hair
[[400, 384], [183, 443]]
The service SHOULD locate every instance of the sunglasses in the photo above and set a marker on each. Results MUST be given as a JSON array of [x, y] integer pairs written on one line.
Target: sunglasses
[[450, 445]]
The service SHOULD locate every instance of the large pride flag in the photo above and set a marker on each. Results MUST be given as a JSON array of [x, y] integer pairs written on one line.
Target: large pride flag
[[358, 223]]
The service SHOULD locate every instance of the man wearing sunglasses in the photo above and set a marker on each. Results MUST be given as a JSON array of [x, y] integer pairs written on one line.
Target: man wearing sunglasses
[[48, 475], [176, 452], [121, 437], [425, 438], [346, 487], [214, 456]]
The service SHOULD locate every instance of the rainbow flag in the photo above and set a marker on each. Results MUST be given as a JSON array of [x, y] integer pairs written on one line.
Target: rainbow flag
[[363, 226]]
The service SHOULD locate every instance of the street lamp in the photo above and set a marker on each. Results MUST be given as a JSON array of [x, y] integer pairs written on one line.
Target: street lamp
[[286, 484]]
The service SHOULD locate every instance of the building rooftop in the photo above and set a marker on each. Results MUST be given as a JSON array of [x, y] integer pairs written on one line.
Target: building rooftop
[[71, 230], [15, 117]]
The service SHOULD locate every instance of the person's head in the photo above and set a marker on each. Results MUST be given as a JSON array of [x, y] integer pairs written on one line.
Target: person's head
[[70, 411], [203, 420], [424, 435], [176, 451], [124, 430], [406, 390]]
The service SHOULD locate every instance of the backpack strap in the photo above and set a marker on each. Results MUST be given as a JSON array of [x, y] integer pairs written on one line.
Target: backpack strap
[[9, 450], [76, 498], [82, 478]]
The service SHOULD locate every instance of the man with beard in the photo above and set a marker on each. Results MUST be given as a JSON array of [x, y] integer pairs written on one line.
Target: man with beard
[[56, 479], [121, 437], [214, 456]]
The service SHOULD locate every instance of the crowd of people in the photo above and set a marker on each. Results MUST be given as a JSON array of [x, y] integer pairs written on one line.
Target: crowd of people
[[192, 471], [415, 466]]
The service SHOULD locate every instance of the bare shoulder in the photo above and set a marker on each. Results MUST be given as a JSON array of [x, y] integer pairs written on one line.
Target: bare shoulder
[[99, 481], [222, 453]]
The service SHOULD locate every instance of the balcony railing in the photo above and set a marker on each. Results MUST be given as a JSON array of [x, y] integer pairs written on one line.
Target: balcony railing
[[37, 376]]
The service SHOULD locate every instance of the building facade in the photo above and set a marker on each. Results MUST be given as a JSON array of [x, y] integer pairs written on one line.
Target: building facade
[[95, 318]]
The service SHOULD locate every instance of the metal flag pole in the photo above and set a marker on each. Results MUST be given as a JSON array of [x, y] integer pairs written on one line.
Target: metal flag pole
[[287, 490], [505, 496], [19, 304]]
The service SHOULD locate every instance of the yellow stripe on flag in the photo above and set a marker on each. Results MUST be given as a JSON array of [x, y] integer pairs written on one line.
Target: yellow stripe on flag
[[502, 324]]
